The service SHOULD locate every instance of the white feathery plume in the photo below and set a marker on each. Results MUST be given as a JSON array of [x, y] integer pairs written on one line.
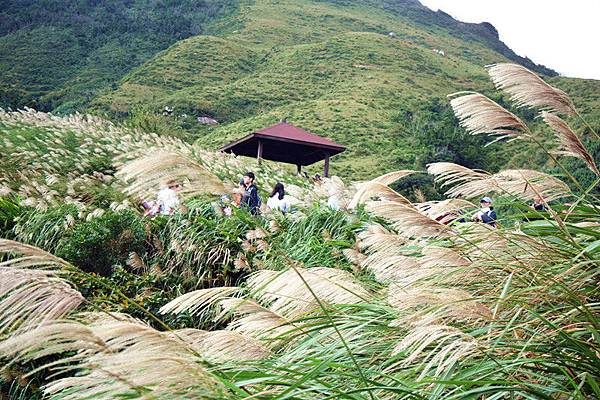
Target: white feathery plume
[[30, 297], [369, 190], [452, 174], [458, 304], [570, 144], [389, 268], [479, 114], [376, 238], [522, 183], [198, 301], [31, 290], [528, 184], [113, 357], [254, 320], [287, 294], [446, 210], [31, 256], [409, 222], [391, 177], [145, 175], [527, 89], [135, 356], [222, 346], [354, 256], [451, 346]]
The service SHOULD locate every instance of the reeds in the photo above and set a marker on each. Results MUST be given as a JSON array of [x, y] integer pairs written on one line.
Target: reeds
[[432, 309]]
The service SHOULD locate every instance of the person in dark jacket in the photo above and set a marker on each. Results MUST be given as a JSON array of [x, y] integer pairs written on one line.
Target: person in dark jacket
[[251, 199], [538, 204], [486, 214]]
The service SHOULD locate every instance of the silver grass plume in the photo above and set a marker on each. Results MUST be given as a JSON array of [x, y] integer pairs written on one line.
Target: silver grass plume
[[528, 184], [372, 189], [570, 144], [445, 210], [389, 268], [253, 320], [198, 301], [456, 303], [287, 294], [376, 238], [145, 175], [353, 256], [523, 183], [481, 115], [391, 177], [115, 358], [223, 345], [448, 173], [527, 89], [409, 222], [452, 345], [31, 289]]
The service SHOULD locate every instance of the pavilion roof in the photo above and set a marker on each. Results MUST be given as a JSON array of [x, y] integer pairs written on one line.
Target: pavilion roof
[[287, 143]]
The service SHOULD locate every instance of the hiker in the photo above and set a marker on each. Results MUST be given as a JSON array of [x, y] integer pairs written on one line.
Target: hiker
[[333, 202], [487, 215], [151, 208], [277, 200], [225, 205], [237, 195], [538, 204], [167, 199], [251, 199]]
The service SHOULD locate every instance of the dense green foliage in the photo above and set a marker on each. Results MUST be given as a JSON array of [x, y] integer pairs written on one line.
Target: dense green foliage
[[59, 55], [97, 245]]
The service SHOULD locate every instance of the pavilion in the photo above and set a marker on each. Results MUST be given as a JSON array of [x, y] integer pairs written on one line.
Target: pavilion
[[286, 143]]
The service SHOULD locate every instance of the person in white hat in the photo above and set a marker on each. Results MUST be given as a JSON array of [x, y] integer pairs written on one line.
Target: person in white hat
[[486, 214]]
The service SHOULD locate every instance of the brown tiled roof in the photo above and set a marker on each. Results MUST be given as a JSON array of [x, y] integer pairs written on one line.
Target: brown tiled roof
[[283, 130], [285, 143]]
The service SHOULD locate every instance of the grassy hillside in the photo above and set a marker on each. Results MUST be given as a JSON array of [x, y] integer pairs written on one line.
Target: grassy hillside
[[59, 54], [327, 66]]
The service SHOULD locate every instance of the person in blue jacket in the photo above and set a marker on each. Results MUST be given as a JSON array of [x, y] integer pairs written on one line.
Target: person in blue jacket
[[486, 214], [250, 198]]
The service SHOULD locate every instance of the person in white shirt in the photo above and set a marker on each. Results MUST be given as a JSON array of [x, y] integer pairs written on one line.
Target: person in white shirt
[[167, 198], [333, 202], [277, 199]]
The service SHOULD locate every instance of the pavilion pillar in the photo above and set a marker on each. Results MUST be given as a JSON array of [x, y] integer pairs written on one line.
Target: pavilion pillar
[[326, 166], [260, 151], [299, 168]]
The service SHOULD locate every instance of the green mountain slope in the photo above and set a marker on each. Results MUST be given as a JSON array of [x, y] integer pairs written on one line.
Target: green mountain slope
[[56, 53], [328, 66]]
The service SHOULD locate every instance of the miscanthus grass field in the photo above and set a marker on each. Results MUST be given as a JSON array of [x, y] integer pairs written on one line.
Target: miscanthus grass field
[[385, 298]]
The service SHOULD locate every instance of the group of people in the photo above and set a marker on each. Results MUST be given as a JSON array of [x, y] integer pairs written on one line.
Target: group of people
[[487, 215], [167, 200], [246, 196]]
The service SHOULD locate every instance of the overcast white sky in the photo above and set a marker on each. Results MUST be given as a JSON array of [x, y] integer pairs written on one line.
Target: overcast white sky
[[563, 35]]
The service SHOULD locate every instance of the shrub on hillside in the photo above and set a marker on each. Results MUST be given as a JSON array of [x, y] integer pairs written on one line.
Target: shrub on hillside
[[45, 228], [97, 245], [10, 209]]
